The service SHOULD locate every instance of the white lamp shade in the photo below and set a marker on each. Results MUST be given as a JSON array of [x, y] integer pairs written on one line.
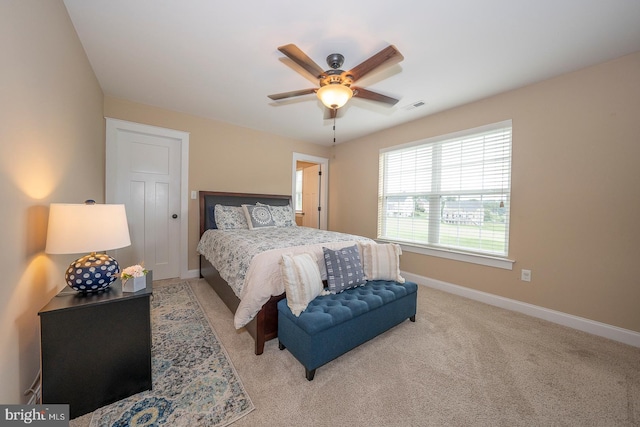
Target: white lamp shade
[[334, 95], [82, 228]]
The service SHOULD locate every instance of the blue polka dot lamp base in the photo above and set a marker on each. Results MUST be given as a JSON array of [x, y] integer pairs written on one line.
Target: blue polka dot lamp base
[[92, 273]]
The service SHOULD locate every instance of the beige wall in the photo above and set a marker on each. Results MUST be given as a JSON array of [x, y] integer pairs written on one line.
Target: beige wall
[[575, 192], [222, 157], [51, 150]]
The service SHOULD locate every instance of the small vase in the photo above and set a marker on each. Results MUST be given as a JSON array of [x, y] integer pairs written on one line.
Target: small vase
[[134, 284]]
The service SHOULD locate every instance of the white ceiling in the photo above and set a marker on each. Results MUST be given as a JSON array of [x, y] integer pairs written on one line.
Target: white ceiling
[[219, 60]]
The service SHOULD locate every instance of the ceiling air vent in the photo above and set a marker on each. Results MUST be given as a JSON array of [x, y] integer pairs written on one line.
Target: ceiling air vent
[[414, 105]]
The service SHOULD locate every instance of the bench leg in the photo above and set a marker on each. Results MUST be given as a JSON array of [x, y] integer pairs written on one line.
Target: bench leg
[[413, 318], [309, 374]]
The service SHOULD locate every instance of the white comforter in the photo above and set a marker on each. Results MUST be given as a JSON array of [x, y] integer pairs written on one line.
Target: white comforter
[[249, 260]]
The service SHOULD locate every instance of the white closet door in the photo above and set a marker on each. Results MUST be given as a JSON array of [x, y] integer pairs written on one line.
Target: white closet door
[[148, 181]]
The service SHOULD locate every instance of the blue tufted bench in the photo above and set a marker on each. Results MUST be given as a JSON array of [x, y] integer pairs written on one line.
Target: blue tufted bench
[[333, 324]]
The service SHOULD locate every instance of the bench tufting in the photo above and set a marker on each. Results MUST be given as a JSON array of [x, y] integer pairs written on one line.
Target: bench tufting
[[333, 324]]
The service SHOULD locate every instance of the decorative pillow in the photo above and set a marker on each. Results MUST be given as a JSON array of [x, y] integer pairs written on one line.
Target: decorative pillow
[[283, 216], [344, 268], [302, 280], [230, 217], [258, 216], [381, 261]]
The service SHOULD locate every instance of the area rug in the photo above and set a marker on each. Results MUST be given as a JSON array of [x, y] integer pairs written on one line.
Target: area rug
[[194, 382]]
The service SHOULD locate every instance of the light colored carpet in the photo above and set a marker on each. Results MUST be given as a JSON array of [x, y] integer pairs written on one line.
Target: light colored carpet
[[463, 363]]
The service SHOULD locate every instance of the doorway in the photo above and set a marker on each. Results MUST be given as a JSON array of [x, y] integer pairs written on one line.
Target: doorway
[[310, 190], [147, 169]]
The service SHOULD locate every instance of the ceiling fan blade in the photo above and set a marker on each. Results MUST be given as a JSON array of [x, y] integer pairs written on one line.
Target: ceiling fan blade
[[373, 96], [299, 57], [291, 94], [387, 55]]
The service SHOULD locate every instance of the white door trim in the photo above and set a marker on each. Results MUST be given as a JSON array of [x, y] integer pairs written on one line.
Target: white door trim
[[112, 127], [324, 182]]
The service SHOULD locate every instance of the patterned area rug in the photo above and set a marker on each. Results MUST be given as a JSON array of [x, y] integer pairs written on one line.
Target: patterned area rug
[[194, 382]]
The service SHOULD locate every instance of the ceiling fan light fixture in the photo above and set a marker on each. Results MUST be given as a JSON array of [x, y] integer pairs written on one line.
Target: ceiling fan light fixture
[[334, 95]]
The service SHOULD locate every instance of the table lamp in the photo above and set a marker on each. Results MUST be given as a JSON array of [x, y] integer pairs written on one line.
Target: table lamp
[[88, 227]]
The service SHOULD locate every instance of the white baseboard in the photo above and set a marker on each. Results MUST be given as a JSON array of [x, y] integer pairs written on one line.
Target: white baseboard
[[192, 274], [615, 333]]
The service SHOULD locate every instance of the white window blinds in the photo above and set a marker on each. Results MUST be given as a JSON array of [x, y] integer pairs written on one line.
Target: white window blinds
[[450, 192]]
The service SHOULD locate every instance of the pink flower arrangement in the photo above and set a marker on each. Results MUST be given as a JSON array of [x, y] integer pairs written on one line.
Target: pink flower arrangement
[[133, 271]]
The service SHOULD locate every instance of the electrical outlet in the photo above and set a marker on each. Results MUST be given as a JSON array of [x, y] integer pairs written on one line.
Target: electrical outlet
[[525, 275]]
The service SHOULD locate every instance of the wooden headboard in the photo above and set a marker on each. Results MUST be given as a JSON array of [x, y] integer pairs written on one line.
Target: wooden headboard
[[209, 199]]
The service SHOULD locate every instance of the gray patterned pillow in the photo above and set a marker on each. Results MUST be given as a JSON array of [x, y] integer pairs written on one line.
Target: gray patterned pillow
[[282, 215], [344, 268], [258, 216], [230, 217]]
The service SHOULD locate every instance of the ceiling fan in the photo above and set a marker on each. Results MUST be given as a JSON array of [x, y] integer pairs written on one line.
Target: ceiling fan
[[335, 84]]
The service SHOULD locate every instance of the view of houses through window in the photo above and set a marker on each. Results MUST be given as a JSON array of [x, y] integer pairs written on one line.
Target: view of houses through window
[[450, 192]]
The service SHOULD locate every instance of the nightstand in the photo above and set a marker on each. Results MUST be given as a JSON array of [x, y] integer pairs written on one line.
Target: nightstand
[[95, 348]]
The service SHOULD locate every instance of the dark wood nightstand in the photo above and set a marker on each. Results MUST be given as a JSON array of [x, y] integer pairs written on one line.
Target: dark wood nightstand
[[96, 348]]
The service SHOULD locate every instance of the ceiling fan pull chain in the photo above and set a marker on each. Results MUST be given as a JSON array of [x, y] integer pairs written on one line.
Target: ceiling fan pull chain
[[334, 131]]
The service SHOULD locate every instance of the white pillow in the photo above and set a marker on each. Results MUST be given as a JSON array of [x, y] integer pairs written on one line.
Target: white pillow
[[230, 217], [302, 280], [381, 261]]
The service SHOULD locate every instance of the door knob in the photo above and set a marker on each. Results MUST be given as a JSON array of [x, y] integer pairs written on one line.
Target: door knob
[[174, 216]]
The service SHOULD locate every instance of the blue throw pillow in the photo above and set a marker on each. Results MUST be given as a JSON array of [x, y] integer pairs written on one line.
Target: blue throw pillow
[[344, 268]]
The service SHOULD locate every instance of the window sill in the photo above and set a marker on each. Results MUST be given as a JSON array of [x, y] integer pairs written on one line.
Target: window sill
[[489, 261]]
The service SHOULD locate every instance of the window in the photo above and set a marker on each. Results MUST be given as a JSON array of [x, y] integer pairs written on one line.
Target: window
[[449, 193], [298, 200]]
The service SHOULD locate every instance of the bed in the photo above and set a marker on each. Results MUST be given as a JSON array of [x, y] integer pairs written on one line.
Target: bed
[[252, 290]]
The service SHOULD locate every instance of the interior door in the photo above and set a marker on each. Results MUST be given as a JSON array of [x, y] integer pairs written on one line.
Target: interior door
[[148, 183], [311, 196]]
